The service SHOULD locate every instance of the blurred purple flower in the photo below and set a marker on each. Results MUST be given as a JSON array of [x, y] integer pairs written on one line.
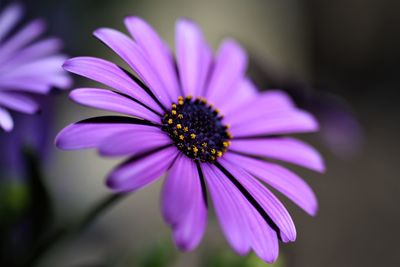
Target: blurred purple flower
[[340, 130], [189, 138], [27, 65]]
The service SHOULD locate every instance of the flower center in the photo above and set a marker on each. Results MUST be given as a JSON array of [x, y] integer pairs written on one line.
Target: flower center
[[197, 129]]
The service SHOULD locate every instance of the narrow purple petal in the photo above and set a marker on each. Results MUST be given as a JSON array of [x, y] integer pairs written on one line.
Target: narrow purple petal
[[83, 135], [156, 52], [230, 65], [272, 206], [242, 224], [285, 122], [243, 92], [20, 39], [264, 104], [48, 65], [37, 50], [229, 205], [284, 148], [6, 122], [283, 180], [111, 101], [183, 205], [36, 84], [264, 240], [131, 176], [18, 102], [25, 84], [8, 18], [134, 141], [111, 75], [193, 57], [132, 54]]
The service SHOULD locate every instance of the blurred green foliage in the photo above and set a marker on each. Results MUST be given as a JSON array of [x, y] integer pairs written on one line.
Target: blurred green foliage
[[162, 254], [14, 200]]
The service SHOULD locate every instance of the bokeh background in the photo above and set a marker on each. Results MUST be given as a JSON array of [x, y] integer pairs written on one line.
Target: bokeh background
[[341, 55]]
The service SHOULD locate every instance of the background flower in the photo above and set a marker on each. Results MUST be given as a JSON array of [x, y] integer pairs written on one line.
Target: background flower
[[27, 65]]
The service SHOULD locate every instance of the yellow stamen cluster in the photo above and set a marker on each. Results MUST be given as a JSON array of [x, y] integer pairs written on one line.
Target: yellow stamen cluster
[[196, 129]]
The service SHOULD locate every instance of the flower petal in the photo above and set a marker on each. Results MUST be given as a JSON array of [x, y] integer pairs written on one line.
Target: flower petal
[[242, 224], [8, 18], [111, 75], [243, 92], [264, 240], [193, 57], [20, 39], [91, 132], [37, 50], [138, 172], [44, 66], [282, 148], [157, 53], [6, 122], [35, 84], [283, 180], [18, 102], [183, 203], [131, 53], [134, 141], [269, 203], [230, 65], [255, 108], [112, 101], [228, 203], [280, 122]]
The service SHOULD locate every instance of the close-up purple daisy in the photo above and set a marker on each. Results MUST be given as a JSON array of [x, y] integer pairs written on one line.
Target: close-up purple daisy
[[27, 65], [198, 118]]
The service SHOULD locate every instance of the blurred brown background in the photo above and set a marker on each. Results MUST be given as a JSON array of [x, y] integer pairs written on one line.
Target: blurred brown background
[[348, 48]]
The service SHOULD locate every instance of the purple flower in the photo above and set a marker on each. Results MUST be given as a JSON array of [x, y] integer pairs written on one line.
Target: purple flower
[[171, 126], [27, 65]]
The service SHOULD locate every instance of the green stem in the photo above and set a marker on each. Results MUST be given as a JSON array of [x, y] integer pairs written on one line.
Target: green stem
[[69, 231]]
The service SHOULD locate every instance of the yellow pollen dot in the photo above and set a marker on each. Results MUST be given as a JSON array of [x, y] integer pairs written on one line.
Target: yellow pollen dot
[[216, 110], [219, 154], [180, 102], [226, 143], [180, 116], [189, 97], [179, 126], [170, 121], [174, 106], [212, 158], [213, 151], [195, 149], [193, 136], [203, 100], [173, 112], [180, 97], [185, 129], [181, 137], [204, 144], [230, 136]]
